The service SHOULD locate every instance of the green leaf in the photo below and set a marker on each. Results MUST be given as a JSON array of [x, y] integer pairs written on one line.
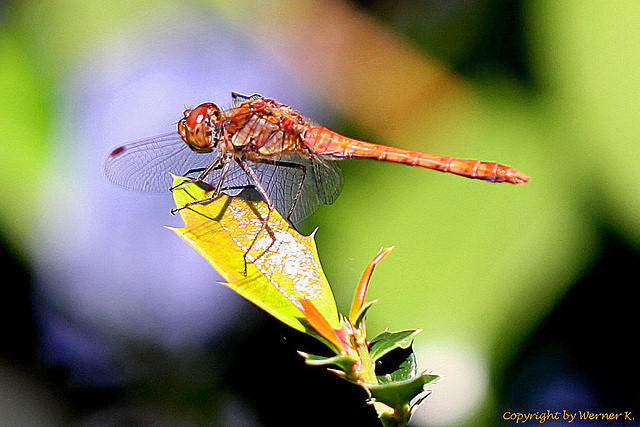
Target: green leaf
[[344, 362], [399, 394], [397, 365], [282, 266], [358, 319], [387, 341]]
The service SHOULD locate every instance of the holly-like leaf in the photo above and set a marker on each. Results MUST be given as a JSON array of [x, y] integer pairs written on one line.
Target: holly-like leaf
[[397, 365], [358, 319], [387, 341], [282, 266], [344, 362], [399, 394]]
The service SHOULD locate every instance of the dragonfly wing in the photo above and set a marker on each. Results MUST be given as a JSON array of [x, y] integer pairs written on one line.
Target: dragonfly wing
[[145, 165], [328, 178], [291, 180], [322, 184]]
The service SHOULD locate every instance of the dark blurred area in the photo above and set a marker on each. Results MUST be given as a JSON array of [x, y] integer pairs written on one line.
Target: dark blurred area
[[191, 352], [19, 345], [582, 356]]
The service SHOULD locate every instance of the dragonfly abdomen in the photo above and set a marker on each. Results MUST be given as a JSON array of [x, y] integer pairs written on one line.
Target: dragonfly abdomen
[[329, 143]]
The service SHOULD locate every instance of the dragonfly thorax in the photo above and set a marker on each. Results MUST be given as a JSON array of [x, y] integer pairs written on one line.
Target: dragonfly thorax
[[198, 126]]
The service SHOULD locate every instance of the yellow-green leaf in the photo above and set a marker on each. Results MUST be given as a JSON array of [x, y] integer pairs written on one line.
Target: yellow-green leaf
[[282, 265]]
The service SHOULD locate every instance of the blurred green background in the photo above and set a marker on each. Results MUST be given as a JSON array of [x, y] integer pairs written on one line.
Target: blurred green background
[[524, 292]]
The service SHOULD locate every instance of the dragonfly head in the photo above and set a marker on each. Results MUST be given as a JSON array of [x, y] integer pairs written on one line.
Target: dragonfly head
[[198, 126]]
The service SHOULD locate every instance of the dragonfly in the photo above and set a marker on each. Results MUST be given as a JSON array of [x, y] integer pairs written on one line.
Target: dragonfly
[[261, 144]]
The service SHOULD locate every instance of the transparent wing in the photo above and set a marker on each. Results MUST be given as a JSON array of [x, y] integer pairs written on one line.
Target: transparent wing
[[328, 178], [292, 180], [145, 165], [303, 188]]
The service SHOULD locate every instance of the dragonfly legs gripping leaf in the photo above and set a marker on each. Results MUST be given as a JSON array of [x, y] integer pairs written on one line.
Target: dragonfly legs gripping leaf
[[267, 199], [219, 163], [246, 167], [224, 163]]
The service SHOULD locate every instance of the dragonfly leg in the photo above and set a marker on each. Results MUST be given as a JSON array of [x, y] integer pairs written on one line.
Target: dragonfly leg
[[238, 187], [303, 168], [225, 168], [267, 199], [298, 166], [239, 96], [195, 170], [217, 163], [242, 98]]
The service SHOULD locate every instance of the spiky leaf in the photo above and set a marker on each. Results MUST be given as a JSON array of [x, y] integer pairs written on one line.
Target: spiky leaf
[[344, 362], [399, 394], [387, 341], [282, 265]]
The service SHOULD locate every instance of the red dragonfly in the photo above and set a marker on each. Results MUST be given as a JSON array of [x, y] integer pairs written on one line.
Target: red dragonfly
[[262, 144]]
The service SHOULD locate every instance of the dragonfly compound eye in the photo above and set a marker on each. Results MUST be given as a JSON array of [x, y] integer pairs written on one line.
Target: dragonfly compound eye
[[197, 126]]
